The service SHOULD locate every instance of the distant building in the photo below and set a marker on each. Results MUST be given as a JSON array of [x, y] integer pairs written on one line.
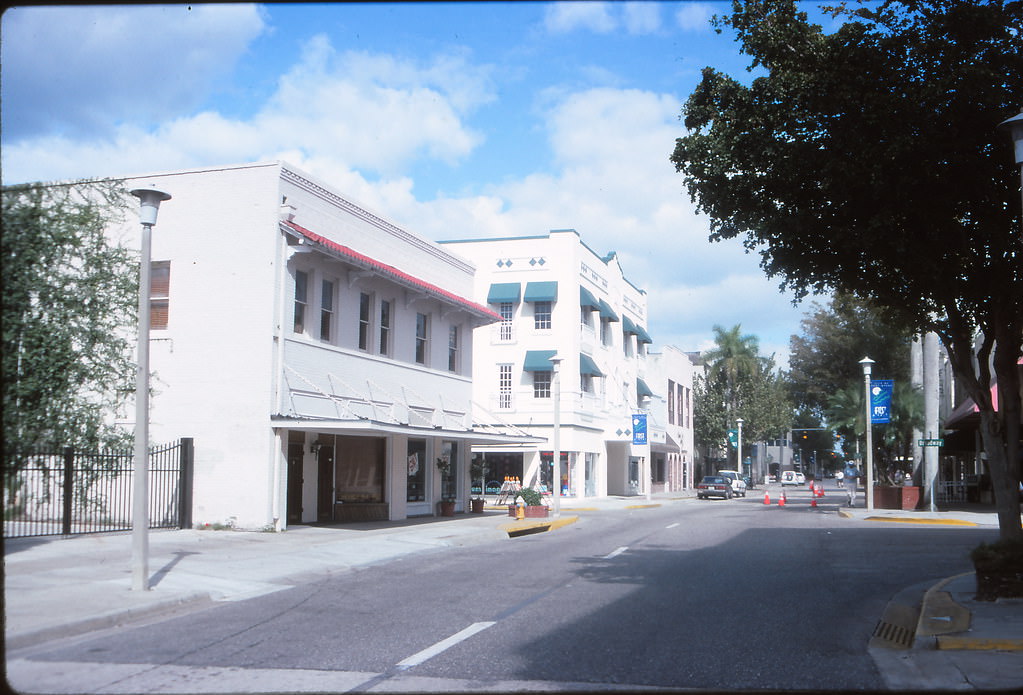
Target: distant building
[[320, 356], [557, 297]]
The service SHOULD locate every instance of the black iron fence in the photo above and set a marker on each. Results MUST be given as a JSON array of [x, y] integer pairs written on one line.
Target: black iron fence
[[73, 492]]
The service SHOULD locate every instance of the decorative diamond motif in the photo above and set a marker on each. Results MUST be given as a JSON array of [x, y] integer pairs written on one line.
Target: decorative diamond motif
[[541, 261], [532, 261], [619, 432], [500, 264]]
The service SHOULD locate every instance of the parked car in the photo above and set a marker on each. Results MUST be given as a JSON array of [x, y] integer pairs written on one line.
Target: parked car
[[792, 478], [714, 486], [738, 484]]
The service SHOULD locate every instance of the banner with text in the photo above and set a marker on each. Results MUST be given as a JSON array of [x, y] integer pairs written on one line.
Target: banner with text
[[881, 401]]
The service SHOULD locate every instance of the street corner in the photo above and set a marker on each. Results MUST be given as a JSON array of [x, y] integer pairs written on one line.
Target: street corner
[[514, 529]]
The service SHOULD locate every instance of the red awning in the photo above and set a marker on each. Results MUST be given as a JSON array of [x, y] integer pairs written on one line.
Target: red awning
[[364, 261]]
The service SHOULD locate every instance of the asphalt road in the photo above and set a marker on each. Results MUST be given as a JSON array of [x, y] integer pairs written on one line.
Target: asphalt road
[[707, 594]]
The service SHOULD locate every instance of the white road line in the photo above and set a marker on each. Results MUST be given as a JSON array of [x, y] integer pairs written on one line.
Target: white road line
[[616, 553], [436, 649], [672, 525]]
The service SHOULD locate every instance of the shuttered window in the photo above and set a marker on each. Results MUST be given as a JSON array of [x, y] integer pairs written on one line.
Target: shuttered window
[[159, 294]]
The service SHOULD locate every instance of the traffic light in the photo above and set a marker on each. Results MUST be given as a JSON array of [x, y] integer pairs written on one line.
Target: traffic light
[[804, 435]]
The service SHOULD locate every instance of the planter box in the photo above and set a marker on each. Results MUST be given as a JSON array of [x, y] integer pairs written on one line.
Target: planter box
[[905, 497], [446, 508], [535, 512], [476, 506]]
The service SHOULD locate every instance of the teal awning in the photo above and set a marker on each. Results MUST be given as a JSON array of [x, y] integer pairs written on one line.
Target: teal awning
[[588, 366], [606, 312], [628, 327], [504, 292], [642, 389], [541, 292], [539, 361], [587, 300], [642, 336]]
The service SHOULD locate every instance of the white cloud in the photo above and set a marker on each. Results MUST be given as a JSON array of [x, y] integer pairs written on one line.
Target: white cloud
[[564, 17], [84, 70], [694, 16], [373, 113], [641, 17]]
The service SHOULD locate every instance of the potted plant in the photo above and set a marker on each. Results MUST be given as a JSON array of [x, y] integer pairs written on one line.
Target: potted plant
[[534, 506], [999, 569], [478, 471], [447, 503]]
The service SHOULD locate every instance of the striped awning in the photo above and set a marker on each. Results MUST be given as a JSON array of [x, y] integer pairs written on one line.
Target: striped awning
[[588, 366], [541, 292], [587, 300], [539, 361], [501, 292], [606, 311]]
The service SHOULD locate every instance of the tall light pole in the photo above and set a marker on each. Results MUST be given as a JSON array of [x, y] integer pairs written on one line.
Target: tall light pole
[[149, 205], [738, 449], [867, 362], [556, 473], [1014, 126]]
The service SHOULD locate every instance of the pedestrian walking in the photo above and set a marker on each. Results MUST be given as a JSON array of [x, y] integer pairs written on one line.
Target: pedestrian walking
[[849, 479]]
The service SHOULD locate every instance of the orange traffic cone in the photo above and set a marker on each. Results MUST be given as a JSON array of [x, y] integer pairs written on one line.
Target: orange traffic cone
[[813, 501], [781, 500], [767, 497]]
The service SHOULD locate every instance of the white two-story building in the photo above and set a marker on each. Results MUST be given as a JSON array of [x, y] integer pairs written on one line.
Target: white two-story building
[[320, 356], [558, 298]]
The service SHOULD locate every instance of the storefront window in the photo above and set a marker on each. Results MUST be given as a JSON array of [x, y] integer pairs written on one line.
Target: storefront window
[[547, 471], [416, 489]]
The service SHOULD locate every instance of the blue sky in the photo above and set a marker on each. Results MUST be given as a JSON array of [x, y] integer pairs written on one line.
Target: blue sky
[[456, 120]]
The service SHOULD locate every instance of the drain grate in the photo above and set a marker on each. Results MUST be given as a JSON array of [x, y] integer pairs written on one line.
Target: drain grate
[[897, 627]]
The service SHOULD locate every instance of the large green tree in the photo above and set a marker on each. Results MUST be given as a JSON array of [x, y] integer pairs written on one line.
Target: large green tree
[[69, 296], [866, 160], [825, 356]]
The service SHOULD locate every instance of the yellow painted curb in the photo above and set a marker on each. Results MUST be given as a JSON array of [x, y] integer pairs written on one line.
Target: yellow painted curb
[[917, 520], [979, 643], [544, 524], [642, 506]]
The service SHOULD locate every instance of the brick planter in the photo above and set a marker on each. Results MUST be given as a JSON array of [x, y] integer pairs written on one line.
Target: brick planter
[[905, 497], [535, 512]]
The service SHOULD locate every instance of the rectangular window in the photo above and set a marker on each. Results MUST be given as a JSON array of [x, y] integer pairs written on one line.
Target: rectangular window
[[605, 333], [415, 489], [422, 337], [504, 386], [507, 313], [326, 309], [453, 349], [542, 384], [671, 403], [159, 294], [586, 383], [364, 320], [385, 327], [301, 299], [541, 315]]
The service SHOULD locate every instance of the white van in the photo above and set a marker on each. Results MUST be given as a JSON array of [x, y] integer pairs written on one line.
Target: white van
[[738, 484]]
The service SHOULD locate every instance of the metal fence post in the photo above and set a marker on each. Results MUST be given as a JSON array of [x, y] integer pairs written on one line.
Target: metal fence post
[[69, 489], [186, 457]]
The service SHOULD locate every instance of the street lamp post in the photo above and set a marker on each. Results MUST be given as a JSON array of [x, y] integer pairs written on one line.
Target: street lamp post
[[556, 473], [1014, 126], [738, 449], [149, 205], [867, 362]]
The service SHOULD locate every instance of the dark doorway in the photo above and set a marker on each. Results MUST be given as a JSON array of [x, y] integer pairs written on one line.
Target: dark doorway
[[325, 484], [296, 443]]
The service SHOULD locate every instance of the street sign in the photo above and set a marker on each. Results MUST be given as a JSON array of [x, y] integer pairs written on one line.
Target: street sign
[[931, 442]]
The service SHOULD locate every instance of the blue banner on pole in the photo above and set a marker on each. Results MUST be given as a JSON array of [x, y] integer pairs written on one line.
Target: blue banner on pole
[[639, 429], [881, 401]]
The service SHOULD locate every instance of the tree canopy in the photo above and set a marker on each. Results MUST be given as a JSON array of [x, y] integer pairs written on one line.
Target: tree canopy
[[866, 160], [69, 296]]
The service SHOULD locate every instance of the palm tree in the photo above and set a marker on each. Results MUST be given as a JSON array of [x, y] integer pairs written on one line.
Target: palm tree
[[733, 358]]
